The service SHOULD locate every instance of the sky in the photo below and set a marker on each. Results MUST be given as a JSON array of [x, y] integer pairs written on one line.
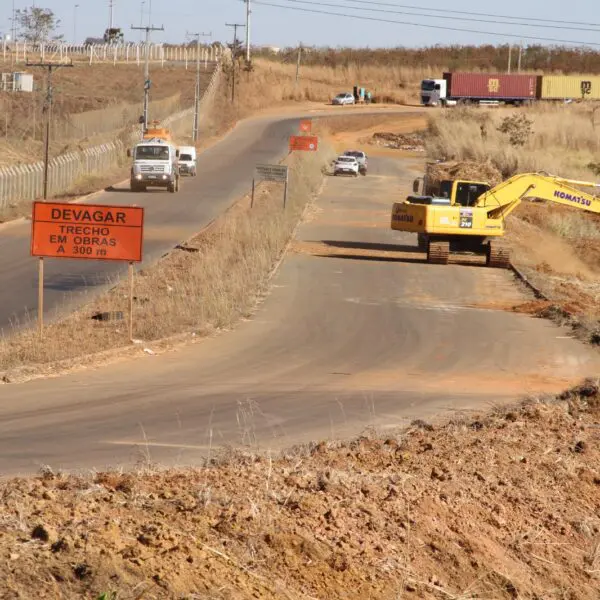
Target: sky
[[281, 27]]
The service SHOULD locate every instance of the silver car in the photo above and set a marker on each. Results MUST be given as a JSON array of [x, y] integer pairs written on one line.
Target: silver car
[[343, 98]]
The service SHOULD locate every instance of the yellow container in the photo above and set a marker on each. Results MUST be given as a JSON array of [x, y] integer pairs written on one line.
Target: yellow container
[[576, 87]]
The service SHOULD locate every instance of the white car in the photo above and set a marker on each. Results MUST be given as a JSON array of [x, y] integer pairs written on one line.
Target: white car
[[361, 157], [346, 165], [343, 98]]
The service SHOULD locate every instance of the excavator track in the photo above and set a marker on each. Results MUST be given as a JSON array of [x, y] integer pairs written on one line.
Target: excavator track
[[498, 256], [438, 252]]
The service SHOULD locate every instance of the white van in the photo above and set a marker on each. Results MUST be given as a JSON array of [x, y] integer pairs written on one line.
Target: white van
[[187, 160]]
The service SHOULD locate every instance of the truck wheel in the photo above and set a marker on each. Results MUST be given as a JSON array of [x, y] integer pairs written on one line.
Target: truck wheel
[[171, 188]]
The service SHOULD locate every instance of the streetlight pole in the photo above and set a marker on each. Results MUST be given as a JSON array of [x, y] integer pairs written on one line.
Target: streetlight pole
[[148, 29], [197, 91]]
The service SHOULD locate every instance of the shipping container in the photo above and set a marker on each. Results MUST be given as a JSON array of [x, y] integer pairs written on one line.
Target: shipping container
[[562, 87], [491, 86]]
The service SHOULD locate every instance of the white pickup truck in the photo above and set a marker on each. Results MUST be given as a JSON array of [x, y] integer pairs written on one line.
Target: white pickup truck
[[155, 164]]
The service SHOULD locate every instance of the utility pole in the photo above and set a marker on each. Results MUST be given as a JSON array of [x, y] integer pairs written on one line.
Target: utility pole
[[75, 7], [520, 55], [248, 13], [298, 62], [14, 23], [509, 56], [147, 29], [48, 110], [142, 17], [197, 92], [233, 57], [110, 12]]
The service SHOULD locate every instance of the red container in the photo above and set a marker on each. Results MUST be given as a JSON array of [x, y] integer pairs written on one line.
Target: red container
[[497, 86]]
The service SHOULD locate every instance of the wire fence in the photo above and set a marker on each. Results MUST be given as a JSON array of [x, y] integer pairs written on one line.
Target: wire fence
[[22, 183], [21, 52]]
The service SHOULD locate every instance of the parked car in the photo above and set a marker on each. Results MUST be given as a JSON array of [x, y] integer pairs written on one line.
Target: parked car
[[343, 98], [346, 165], [361, 158]]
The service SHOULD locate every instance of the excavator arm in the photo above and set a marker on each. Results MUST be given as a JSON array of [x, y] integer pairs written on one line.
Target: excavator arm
[[504, 198]]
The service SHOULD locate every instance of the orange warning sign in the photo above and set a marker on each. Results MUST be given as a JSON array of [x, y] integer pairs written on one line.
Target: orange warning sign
[[308, 143], [94, 232], [306, 126]]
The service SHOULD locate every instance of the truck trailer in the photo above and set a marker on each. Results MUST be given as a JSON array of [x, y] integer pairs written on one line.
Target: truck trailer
[[501, 88]]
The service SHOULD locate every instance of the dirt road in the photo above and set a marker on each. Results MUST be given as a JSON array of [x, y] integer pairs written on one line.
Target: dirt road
[[357, 331]]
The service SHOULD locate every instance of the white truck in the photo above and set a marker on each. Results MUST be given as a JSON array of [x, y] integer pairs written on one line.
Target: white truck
[[155, 164], [187, 160], [434, 92]]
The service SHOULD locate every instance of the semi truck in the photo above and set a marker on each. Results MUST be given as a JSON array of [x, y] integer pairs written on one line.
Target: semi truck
[[502, 88]]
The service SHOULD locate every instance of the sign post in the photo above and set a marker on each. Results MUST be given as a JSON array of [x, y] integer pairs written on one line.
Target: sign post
[[276, 173], [88, 232], [41, 296]]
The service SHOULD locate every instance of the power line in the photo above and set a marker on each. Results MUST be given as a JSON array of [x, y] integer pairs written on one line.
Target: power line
[[446, 17], [382, 20], [471, 13]]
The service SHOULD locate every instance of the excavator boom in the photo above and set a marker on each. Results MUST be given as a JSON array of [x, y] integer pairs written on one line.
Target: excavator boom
[[504, 198]]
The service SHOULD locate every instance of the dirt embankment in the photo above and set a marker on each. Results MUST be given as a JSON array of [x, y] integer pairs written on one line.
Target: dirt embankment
[[505, 505]]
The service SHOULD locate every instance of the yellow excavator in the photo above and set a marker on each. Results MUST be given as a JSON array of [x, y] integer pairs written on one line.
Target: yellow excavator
[[470, 216]]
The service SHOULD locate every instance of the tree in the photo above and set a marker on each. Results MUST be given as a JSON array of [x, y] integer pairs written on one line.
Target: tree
[[37, 25]]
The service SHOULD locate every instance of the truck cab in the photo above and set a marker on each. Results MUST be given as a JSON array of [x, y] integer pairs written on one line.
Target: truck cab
[[434, 92], [155, 164]]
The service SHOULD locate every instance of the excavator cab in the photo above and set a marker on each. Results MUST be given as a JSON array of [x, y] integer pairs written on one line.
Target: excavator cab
[[467, 192]]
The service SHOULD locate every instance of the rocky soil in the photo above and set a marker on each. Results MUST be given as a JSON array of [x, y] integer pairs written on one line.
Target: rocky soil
[[498, 505]]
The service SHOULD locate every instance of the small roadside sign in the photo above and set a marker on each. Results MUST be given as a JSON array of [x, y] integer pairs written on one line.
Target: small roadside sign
[[271, 173], [93, 232], [306, 143], [306, 126]]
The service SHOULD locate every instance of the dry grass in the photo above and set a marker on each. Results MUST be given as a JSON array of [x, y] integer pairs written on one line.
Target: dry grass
[[565, 139], [91, 105], [273, 83], [187, 292]]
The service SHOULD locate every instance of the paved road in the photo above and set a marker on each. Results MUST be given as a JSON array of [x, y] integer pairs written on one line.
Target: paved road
[[224, 175], [357, 331]]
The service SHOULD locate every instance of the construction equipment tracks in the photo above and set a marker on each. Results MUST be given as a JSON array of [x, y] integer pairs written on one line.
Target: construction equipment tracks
[[438, 252], [498, 255]]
